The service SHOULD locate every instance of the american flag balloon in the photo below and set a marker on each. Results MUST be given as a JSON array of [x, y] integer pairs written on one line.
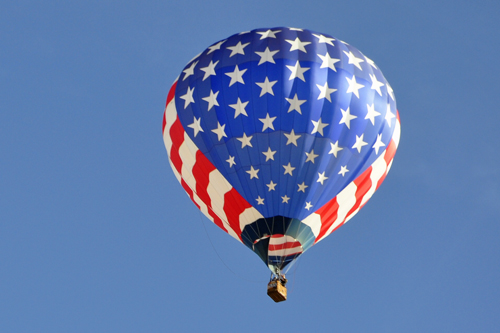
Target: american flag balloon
[[279, 136]]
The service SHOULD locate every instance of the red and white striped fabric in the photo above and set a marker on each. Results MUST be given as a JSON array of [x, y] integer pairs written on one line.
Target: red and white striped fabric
[[284, 246], [204, 184]]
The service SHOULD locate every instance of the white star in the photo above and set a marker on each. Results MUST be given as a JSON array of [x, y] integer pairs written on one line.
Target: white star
[[335, 148], [269, 154], [236, 76], [321, 178], [209, 70], [188, 97], [297, 44], [237, 49], [285, 199], [253, 173], [325, 91], [311, 156], [245, 140], [271, 186], [266, 86], [318, 126], [215, 46], [308, 205], [376, 84], [267, 122], [266, 56], [239, 108], [324, 39], [297, 71], [189, 71], [390, 91], [343, 170], [378, 144], [231, 161], [359, 143], [353, 86], [220, 131], [292, 138], [288, 169], [347, 117], [268, 34], [389, 115], [295, 104], [368, 60], [302, 187], [212, 99], [328, 62], [260, 201], [371, 113], [196, 126], [353, 60]]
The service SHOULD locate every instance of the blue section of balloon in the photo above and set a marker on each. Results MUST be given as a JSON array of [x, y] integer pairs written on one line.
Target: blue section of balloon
[[243, 123]]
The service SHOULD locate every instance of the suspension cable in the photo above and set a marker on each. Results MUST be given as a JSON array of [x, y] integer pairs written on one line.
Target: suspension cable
[[217, 253]]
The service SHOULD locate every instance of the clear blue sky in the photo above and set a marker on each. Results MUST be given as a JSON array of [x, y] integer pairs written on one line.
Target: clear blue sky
[[96, 234]]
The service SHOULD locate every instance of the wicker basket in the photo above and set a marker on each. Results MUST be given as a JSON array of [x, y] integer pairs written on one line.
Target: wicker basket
[[276, 290]]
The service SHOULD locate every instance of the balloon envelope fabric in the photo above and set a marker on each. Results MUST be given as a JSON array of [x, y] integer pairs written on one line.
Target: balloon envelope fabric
[[280, 136]]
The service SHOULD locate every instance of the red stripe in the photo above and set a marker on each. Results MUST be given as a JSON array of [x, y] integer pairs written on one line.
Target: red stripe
[[201, 172], [328, 215], [164, 122], [177, 136], [189, 192], [171, 92], [234, 205], [287, 245], [390, 152], [363, 184]]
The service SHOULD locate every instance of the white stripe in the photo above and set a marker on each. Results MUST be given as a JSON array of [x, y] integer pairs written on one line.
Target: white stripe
[[187, 153], [281, 240], [249, 216], [203, 207], [397, 133], [379, 168], [314, 222], [346, 199], [285, 252], [188, 161], [176, 173], [389, 166], [218, 186]]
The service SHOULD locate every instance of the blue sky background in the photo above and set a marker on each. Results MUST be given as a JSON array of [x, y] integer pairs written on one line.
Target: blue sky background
[[96, 235]]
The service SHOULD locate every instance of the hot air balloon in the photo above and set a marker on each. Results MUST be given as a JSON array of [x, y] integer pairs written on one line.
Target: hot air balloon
[[279, 136]]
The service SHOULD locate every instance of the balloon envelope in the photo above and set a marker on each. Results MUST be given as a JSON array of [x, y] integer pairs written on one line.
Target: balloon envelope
[[280, 136]]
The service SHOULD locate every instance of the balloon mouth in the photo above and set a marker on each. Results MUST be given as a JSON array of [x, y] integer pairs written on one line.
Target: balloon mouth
[[277, 240]]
